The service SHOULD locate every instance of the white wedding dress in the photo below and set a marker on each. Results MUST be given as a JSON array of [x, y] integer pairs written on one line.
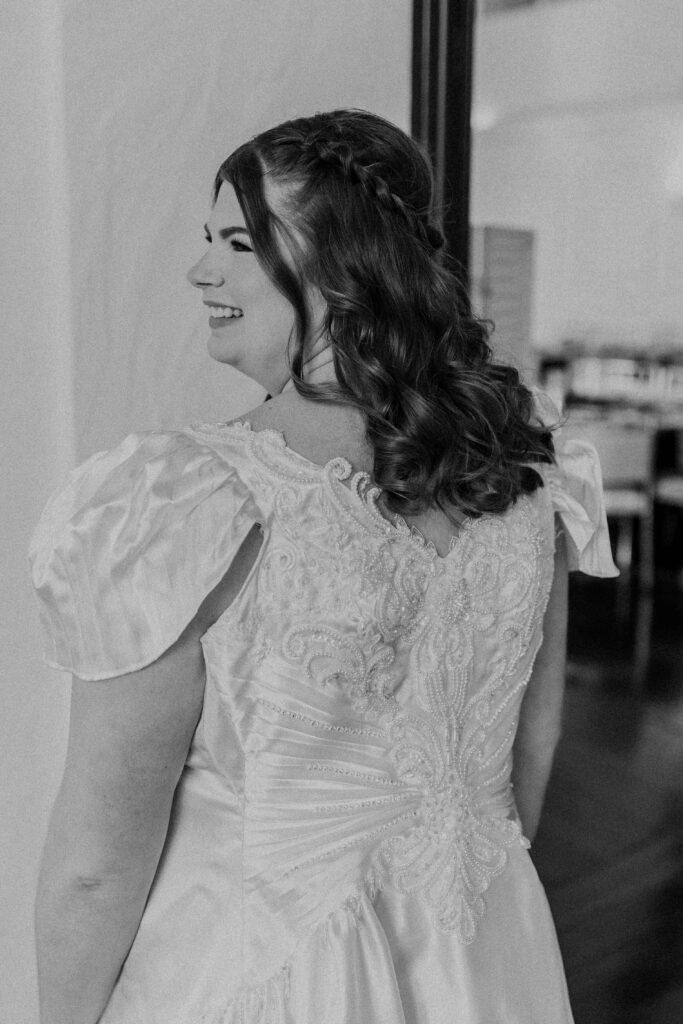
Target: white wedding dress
[[344, 846]]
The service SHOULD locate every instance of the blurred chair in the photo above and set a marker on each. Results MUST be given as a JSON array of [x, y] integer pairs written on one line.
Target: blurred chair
[[669, 492], [669, 484], [669, 489], [625, 442], [612, 378]]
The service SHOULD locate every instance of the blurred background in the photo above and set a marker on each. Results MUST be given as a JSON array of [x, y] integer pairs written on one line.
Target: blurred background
[[576, 252], [568, 116]]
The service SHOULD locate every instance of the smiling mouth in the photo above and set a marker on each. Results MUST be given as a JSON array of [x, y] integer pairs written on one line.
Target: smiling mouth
[[219, 314]]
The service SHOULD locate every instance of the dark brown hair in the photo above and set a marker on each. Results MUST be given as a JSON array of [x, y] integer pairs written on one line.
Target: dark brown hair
[[448, 425]]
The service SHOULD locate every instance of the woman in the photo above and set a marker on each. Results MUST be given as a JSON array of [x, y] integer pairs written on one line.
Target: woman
[[300, 643]]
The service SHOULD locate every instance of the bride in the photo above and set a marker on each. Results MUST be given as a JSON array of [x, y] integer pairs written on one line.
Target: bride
[[318, 652]]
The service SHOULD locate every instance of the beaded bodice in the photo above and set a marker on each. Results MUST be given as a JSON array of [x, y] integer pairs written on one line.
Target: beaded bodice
[[374, 688], [344, 826]]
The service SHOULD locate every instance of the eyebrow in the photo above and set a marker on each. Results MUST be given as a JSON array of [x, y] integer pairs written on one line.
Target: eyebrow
[[226, 233]]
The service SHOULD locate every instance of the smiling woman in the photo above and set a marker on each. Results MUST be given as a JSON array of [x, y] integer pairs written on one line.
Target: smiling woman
[[250, 319], [312, 649]]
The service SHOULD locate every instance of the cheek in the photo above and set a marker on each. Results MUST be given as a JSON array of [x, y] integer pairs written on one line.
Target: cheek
[[278, 315], [268, 313]]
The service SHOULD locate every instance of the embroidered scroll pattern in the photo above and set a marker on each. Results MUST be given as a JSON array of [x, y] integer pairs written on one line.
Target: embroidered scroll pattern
[[490, 591], [389, 617]]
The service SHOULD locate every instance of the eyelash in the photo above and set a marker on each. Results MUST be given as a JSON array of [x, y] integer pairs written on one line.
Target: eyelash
[[236, 246]]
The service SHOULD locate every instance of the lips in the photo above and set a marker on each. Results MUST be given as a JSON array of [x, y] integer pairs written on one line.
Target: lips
[[219, 313]]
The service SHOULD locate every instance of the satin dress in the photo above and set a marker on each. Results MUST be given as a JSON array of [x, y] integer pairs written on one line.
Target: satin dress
[[344, 846]]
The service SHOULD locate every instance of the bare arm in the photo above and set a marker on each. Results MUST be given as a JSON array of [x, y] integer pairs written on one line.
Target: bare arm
[[541, 712], [128, 742]]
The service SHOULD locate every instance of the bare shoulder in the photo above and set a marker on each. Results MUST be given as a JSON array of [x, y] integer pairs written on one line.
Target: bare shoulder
[[319, 431]]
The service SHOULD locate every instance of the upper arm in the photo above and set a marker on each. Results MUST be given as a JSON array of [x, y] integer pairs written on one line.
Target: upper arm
[[128, 741], [132, 561], [129, 738]]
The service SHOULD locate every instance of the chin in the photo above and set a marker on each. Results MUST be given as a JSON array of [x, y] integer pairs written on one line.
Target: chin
[[221, 351]]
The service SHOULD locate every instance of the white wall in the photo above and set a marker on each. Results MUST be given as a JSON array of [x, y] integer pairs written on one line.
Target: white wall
[[37, 447], [578, 119], [157, 96], [118, 116]]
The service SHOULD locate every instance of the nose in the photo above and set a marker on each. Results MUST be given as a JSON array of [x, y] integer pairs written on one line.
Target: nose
[[205, 273]]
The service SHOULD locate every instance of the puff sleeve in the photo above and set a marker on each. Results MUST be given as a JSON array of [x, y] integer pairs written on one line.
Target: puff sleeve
[[575, 485], [127, 550]]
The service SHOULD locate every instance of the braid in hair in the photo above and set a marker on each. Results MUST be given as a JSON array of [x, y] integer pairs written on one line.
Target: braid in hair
[[337, 153], [449, 426]]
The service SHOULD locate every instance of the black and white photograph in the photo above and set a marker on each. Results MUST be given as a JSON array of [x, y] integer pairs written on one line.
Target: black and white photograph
[[341, 630]]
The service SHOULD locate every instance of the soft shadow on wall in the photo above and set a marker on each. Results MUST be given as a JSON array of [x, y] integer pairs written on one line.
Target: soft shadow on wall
[[119, 115], [154, 103]]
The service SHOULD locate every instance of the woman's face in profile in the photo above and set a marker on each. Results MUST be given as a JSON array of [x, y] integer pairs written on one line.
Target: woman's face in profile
[[249, 319]]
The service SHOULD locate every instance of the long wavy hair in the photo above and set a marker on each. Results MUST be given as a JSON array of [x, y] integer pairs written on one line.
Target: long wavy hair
[[350, 196]]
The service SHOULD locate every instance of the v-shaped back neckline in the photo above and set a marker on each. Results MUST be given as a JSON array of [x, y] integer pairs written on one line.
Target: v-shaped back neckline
[[358, 485]]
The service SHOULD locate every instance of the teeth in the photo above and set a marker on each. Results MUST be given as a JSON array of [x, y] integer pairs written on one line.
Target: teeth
[[224, 312]]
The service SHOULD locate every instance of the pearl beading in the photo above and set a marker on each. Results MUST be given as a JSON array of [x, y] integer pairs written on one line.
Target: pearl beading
[[448, 757]]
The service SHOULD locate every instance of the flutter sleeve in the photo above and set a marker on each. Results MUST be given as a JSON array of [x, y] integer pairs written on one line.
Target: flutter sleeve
[[575, 485], [127, 550]]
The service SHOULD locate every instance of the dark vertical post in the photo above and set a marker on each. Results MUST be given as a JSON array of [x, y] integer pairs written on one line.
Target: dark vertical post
[[443, 33]]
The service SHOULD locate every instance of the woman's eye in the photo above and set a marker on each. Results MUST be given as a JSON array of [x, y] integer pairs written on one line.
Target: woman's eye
[[240, 246]]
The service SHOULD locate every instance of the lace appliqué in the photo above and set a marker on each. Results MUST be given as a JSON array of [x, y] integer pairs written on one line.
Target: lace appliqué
[[437, 818], [453, 760], [457, 844], [489, 599], [251, 631]]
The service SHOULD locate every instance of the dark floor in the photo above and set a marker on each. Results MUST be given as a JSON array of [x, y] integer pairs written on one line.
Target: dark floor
[[610, 847]]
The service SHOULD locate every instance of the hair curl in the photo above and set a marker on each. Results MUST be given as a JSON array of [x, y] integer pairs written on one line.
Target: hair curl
[[448, 425]]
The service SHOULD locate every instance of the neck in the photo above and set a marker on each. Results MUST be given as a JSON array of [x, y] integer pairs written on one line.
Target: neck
[[318, 368]]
